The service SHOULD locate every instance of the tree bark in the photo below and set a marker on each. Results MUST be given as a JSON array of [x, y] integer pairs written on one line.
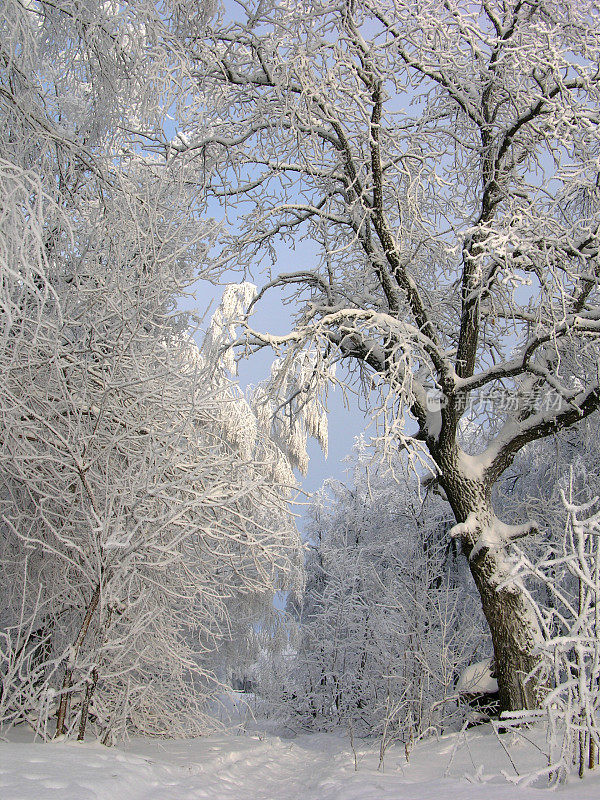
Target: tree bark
[[85, 706], [514, 629], [67, 681], [509, 613]]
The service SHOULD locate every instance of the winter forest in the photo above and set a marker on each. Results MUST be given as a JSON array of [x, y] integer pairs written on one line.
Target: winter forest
[[394, 205]]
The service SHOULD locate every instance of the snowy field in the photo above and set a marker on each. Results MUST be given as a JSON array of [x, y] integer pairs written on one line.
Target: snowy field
[[253, 767]]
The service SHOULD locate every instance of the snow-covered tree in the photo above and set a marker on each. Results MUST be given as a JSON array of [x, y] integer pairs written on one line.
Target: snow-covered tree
[[386, 623], [139, 533], [142, 504], [441, 160]]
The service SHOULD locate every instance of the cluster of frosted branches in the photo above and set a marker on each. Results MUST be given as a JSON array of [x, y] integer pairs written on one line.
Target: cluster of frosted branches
[[383, 631], [569, 670], [421, 153], [292, 404]]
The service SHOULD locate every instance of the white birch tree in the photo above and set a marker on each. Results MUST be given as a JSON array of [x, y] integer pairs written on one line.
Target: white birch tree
[[441, 158]]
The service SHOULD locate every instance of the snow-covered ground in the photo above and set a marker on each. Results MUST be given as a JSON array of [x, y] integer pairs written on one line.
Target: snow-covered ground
[[266, 767]]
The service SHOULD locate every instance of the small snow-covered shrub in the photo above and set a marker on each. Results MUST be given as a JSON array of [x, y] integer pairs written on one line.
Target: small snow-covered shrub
[[570, 665]]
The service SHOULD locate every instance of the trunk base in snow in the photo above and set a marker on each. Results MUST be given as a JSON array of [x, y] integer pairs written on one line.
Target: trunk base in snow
[[514, 629]]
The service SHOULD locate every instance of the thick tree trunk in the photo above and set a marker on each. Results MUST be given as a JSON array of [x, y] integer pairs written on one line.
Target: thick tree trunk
[[514, 628], [511, 618]]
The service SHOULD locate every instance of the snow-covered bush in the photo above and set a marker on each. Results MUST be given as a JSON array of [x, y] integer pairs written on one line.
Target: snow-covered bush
[[386, 624], [569, 671]]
